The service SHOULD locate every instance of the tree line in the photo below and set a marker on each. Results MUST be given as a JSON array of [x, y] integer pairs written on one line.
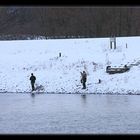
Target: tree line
[[70, 21]]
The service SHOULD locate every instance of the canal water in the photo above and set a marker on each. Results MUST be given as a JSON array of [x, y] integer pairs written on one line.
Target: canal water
[[69, 114]]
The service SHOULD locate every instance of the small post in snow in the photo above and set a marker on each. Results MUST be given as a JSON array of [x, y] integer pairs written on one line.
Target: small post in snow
[[99, 81], [126, 45], [60, 54]]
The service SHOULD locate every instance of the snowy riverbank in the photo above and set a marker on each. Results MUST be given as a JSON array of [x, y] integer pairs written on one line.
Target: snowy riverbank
[[62, 74]]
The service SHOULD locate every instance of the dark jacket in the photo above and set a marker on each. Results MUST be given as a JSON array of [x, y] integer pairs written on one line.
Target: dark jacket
[[33, 78], [84, 77]]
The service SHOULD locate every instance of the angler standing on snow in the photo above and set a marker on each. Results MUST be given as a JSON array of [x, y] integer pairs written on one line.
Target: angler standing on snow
[[83, 79], [32, 78]]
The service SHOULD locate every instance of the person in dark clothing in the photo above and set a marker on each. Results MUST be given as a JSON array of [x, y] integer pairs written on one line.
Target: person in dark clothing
[[32, 78], [83, 79]]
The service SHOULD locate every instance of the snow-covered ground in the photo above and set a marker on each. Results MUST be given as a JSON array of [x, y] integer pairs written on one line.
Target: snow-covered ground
[[18, 59]]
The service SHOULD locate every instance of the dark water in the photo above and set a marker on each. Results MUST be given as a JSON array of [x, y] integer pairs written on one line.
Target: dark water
[[69, 114]]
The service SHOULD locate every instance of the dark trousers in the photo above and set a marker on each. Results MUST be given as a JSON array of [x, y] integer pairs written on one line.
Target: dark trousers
[[84, 85], [33, 87]]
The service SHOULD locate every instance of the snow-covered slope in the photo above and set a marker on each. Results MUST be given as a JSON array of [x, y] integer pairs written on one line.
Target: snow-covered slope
[[18, 59]]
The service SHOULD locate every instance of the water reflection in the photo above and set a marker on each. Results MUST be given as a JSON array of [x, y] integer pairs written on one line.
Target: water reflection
[[33, 97], [84, 98]]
